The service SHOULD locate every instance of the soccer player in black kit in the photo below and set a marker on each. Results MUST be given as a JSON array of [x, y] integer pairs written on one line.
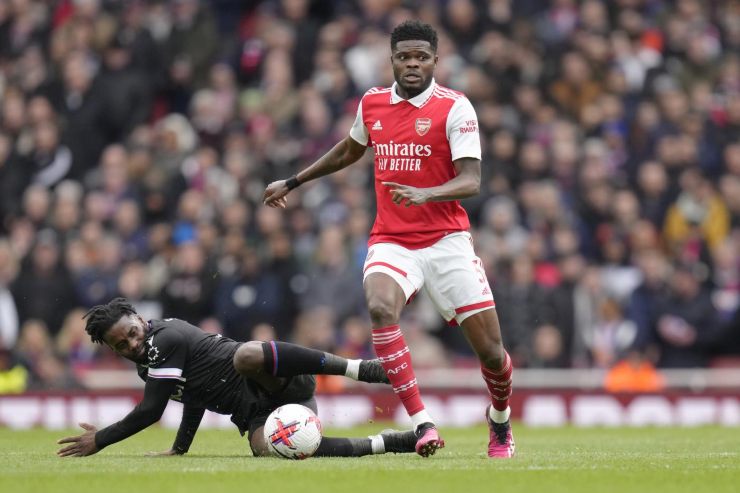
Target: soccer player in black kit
[[207, 371]]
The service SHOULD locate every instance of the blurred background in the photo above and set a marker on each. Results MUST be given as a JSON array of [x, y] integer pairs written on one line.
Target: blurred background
[[136, 139]]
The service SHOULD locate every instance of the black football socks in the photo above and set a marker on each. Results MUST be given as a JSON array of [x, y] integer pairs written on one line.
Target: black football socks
[[344, 447], [283, 359]]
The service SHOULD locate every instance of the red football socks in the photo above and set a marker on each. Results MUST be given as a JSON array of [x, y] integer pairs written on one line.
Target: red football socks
[[394, 355], [499, 384]]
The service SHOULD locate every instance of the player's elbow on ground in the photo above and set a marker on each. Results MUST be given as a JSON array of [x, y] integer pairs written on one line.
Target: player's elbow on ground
[[249, 358]]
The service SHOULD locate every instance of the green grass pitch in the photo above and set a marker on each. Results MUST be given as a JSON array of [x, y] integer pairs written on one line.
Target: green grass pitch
[[572, 460]]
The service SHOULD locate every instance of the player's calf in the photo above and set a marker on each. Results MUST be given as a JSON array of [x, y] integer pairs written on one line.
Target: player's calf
[[255, 359], [372, 371], [393, 441]]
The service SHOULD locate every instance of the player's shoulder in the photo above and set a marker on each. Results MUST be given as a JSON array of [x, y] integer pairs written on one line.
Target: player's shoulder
[[378, 90], [167, 337], [170, 329], [376, 94], [442, 92], [169, 324]]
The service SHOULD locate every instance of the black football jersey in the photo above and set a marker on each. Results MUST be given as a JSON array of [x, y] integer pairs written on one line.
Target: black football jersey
[[201, 362], [194, 367]]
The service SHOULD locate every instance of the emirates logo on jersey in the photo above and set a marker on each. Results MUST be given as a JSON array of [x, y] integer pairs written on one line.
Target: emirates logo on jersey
[[423, 125]]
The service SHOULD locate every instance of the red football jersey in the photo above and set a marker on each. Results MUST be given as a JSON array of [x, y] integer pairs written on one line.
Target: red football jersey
[[415, 143]]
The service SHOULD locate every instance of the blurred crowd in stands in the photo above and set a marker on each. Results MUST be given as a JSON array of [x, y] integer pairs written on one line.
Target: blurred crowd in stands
[[136, 139]]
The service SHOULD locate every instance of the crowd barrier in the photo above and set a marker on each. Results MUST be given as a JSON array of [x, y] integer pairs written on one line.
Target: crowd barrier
[[454, 397]]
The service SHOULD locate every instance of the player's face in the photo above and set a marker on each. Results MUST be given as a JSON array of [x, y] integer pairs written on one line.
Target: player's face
[[413, 66], [127, 337]]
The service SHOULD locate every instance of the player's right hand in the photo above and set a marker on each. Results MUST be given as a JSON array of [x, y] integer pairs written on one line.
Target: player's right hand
[[80, 445], [163, 453], [275, 193]]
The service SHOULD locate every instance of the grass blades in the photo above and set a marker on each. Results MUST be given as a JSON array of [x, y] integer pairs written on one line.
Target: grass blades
[[571, 460]]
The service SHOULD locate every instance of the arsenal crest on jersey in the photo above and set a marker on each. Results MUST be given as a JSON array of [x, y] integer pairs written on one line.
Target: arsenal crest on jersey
[[423, 125]]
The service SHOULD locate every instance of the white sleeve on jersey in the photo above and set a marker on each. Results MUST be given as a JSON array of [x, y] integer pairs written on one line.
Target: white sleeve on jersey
[[359, 130], [462, 130]]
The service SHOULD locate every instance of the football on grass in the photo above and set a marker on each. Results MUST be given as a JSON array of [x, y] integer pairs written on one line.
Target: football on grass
[[293, 431]]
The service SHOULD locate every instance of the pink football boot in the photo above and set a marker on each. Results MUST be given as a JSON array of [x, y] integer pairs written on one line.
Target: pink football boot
[[501, 439], [429, 440]]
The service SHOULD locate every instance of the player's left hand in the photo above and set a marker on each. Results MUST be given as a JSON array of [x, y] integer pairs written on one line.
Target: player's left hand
[[81, 445], [408, 194]]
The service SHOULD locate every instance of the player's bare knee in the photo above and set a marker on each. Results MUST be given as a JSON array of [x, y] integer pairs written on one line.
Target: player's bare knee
[[493, 357], [381, 311], [260, 450], [258, 445], [249, 358]]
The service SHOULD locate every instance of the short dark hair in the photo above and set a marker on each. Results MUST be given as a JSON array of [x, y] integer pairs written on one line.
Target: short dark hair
[[100, 318], [413, 31]]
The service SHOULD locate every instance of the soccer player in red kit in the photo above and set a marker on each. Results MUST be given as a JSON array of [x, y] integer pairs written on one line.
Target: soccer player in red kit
[[427, 158]]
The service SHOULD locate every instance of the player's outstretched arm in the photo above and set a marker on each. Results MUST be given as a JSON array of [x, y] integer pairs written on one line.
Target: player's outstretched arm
[[340, 156], [465, 184], [148, 412]]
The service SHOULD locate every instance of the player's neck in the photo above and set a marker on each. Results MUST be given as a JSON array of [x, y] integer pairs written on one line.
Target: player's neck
[[404, 94]]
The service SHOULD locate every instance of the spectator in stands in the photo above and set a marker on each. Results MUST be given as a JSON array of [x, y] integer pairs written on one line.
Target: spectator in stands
[[253, 295], [8, 312], [686, 324], [43, 289], [699, 210], [333, 279], [634, 373], [36, 352], [128, 228], [642, 303], [188, 293], [576, 86], [80, 103], [126, 91], [134, 284], [652, 186], [354, 340], [725, 280], [73, 345], [606, 130], [13, 375], [189, 50], [521, 305], [610, 335], [502, 234], [98, 281]]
